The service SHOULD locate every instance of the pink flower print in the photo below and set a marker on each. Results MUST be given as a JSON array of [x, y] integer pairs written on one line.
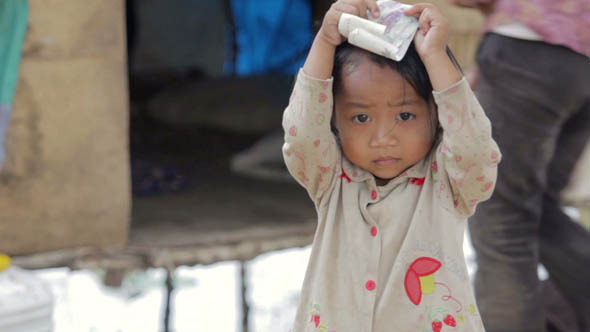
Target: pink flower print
[[456, 203], [487, 186], [327, 149], [304, 178], [323, 169], [480, 178], [323, 97], [450, 119], [301, 158], [434, 166], [494, 155], [325, 85], [293, 131], [316, 143], [458, 158], [320, 119]]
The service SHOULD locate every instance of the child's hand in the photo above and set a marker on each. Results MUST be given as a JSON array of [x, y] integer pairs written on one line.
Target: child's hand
[[431, 45], [431, 38], [329, 30]]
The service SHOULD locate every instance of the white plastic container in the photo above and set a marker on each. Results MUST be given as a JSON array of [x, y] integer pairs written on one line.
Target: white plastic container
[[26, 302]]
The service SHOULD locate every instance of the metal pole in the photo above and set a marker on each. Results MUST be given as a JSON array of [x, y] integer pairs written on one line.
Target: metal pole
[[245, 306], [169, 290]]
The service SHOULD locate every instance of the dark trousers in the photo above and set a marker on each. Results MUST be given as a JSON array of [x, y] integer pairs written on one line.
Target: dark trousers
[[537, 97]]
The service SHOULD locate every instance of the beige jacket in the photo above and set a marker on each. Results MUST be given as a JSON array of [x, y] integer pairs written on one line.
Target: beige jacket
[[389, 258]]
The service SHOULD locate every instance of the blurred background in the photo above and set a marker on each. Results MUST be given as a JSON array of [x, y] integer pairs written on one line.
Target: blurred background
[[143, 187]]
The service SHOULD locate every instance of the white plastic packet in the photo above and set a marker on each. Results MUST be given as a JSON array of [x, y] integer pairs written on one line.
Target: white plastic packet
[[388, 35]]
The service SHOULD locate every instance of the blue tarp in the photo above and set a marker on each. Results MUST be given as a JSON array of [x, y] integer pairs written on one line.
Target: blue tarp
[[270, 35], [13, 24]]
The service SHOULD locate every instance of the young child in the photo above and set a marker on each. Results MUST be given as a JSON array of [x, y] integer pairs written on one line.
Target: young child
[[391, 188]]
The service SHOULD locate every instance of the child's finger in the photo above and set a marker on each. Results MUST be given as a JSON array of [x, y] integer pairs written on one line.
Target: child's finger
[[345, 7], [360, 6], [372, 5], [417, 9], [425, 19]]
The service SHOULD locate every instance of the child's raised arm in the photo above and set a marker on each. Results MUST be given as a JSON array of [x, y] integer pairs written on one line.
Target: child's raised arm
[[310, 150], [466, 161], [431, 45], [320, 60]]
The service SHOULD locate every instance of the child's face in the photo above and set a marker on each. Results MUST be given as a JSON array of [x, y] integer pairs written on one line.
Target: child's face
[[383, 124]]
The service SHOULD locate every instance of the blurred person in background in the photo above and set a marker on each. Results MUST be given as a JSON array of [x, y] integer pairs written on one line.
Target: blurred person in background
[[533, 80]]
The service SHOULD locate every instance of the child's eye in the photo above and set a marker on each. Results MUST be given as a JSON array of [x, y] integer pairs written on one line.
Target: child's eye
[[405, 116], [361, 118]]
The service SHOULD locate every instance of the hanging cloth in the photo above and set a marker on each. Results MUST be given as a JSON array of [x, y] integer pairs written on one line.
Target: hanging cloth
[[13, 24], [271, 36]]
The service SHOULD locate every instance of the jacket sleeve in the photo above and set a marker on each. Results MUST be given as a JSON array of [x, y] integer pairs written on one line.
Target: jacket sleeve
[[465, 166], [310, 150]]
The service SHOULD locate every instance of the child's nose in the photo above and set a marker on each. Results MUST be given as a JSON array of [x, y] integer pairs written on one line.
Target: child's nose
[[384, 135]]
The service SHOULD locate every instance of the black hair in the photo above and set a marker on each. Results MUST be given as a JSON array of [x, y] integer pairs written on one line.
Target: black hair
[[411, 69]]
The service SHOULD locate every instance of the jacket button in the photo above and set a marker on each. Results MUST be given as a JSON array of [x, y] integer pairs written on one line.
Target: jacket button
[[374, 231]]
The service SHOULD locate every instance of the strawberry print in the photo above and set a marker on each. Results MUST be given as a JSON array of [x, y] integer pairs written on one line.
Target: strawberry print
[[450, 321], [323, 97], [293, 131], [316, 320], [437, 326]]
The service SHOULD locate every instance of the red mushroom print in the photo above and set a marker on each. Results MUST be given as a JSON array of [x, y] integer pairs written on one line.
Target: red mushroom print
[[421, 267]]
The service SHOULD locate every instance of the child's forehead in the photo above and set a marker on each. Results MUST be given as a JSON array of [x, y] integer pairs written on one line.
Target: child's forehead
[[368, 79]]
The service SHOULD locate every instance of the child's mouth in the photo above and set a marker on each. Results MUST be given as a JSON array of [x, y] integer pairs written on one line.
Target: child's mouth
[[386, 161]]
